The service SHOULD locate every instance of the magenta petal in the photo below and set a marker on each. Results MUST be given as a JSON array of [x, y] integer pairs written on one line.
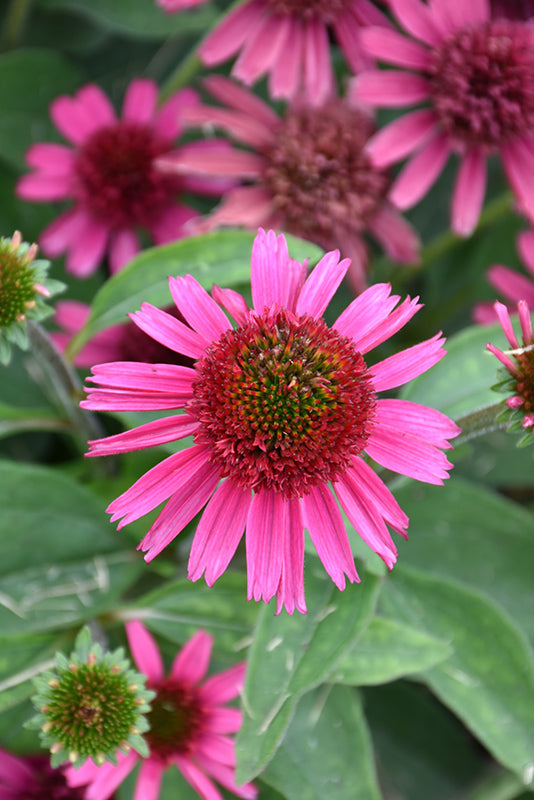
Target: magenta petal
[[168, 119], [322, 284], [240, 99], [525, 247], [224, 773], [43, 186], [387, 327], [420, 173], [247, 206], [61, 233], [200, 782], [54, 159], [517, 162], [123, 247], [270, 276], [198, 308], [140, 101], [390, 46], [169, 331], [397, 237], [232, 32], [72, 120], [469, 192], [402, 367], [416, 18], [506, 324], [366, 312], [233, 302], [427, 423], [262, 49], [324, 522], [224, 686], [151, 434], [511, 285], [285, 73], [193, 660], [104, 780], [219, 531], [266, 528], [144, 650], [389, 88], [150, 383], [376, 492], [87, 252], [149, 780], [401, 137], [402, 452], [173, 223], [318, 75], [234, 163], [96, 105], [290, 592]]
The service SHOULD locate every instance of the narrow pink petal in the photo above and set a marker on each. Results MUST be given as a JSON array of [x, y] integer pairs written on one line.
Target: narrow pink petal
[[124, 245], [215, 748], [243, 127], [225, 775], [472, 13], [511, 284], [72, 120], [427, 423], [55, 159], [290, 592], [225, 720], [469, 191], [71, 315], [193, 660], [376, 492], [389, 326], [149, 780], [402, 367], [525, 248], [88, 251], [96, 105], [59, 235], [347, 27], [266, 528], [517, 163], [390, 89], [152, 434], [169, 331], [104, 780], [138, 376], [318, 75], [144, 650], [323, 520], [247, 206], [401, 137], [200, 782], [285, 73], [506, 324], [394, 48], [505, 361], [420, 173], [233, 302], [232, 32], [219, 531], [322, 284], [365, 313], [402, 452], [140, 101], [241, 99], [193, 493], [397, 237], [484, 313], [198, 308], [224, 686], [262, 49], [44, 186], [235, 163], [526, 322], [207, 185], [270, 276], [416, 18]]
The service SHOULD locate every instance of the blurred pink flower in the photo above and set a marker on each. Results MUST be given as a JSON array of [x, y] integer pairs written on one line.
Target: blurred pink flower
[[477, 77], [278, 407], [289, 40], [32, 778], [510, 284], [178, 5], [308, 174], [109, 175], [512, 9], [189, 724]]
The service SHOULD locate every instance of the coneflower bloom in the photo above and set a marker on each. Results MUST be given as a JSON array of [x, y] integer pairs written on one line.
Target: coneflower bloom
[[307, 174], [475, 76], [189, 724], [512, 9], [512, 285], [32, 778], [279, 407], [289, 41], [518, 366], [109, 175]]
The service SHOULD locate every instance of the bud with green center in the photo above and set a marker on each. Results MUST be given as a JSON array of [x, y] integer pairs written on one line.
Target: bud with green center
[[91, 705], [24, 286]]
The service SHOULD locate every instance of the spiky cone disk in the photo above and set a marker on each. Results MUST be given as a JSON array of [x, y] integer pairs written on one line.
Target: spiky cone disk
[[91, 706], [24, 286]]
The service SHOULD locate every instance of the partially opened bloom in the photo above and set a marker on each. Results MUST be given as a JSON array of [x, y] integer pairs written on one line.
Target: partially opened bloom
[[189, 724], [32, 778], [475, 77], [108, 173], [280, 407], [512, 285], [289, 41], [518, 363], [308, 174]]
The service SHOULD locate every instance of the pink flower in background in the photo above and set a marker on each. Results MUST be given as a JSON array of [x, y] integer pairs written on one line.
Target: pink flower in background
[[307, 174], [510, 284], [512, 9], [109, 175], [289, 41], [189, 724], [178, 5], [280, 408], [32, 778], [476, 79]]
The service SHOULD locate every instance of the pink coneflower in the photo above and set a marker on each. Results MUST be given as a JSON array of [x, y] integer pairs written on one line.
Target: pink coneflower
[[32, 778], [477, 77], [178, 5], [110, 177], [519, 371], [512, 9], [189, 724], [279, 407], [289, 40], [309, 174], [510, 284]]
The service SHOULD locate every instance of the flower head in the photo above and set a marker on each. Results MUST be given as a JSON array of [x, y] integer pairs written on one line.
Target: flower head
[[32, 778], [24, 286], [512, 285], [91, 706], [189, 724], [512, 9], [518, 373], [109, 175], [278, 406], [309, 174], [476, 76], [289, 40]]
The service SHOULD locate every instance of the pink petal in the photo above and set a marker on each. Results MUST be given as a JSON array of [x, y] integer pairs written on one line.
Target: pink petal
[[193, 660], [42, 187], [285, 74], [173, 224], [506, 324], [104, 780], [240, 99], [322, 284], [225, 775], [144, 650], [169, 331], [469, 192], [517, 163], [97, 105], [366, 312], [55, 159], [232, 32], [224, 686], [266, 527], [397, 237], [88, 251], [225, 720], [234, 163], [157, 385], [270, 276], [325, 525], [389, 88], [525, 247], [416, 18], [262, 49], [198, 308], [290, 592], [247, 206], [59, 235], [318, 76], [420, 173], [347, 30], [505, 361], [151, 434], [472, 13], [427, 423], [123, 247], [387, 327], [376, 492], [140, 101], [401, 137], [197, 779], [233, 302], [219, 531], [390, 46], [72, 120], [168, 119], [15, 775], [511, 284], [402, 367], [243, 127], [149, 780], [71, 315]]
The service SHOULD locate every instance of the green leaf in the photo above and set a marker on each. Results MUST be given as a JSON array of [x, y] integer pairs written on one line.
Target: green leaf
[[17, 420], [24, 100], [22, 658], [327, 751], [221, 258], [388, 650], [291, 655], [488, 681]]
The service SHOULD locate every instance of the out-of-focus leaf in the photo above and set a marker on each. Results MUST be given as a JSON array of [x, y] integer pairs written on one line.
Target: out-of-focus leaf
[[21, 658], [17, 420]]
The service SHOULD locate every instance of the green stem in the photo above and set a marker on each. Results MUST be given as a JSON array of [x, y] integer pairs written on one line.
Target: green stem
[[14, 24], [480, 422]]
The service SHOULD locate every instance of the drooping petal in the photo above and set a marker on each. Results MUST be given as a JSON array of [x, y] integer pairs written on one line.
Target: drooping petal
[[62, 232], [366, 312], [290, 592], [241, 99], [285, 73], [397, 237], [193, 660], [387, 327], [44, 186], [88, 251], [231, 33], [402, 367], [144, 650], [266, 528], [54, 159], [420, 173], [224, 774], [233, 302], [469, 192], [407, 454], [415, 17], [511, 284], [149, 780], [318, 75], [196, 778], [262, 49], [401, 137], [124, 245], [394, 48], [376, 492], [132, 385], [422, 421]]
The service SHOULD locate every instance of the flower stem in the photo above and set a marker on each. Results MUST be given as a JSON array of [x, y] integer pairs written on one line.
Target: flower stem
[[14, 24], [182, 75], [480, 422]]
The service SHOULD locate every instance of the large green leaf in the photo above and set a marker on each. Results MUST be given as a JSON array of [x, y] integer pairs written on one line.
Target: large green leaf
[[488, 680], [326, 752], [23, 657], [291, 655], [221, 258]]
